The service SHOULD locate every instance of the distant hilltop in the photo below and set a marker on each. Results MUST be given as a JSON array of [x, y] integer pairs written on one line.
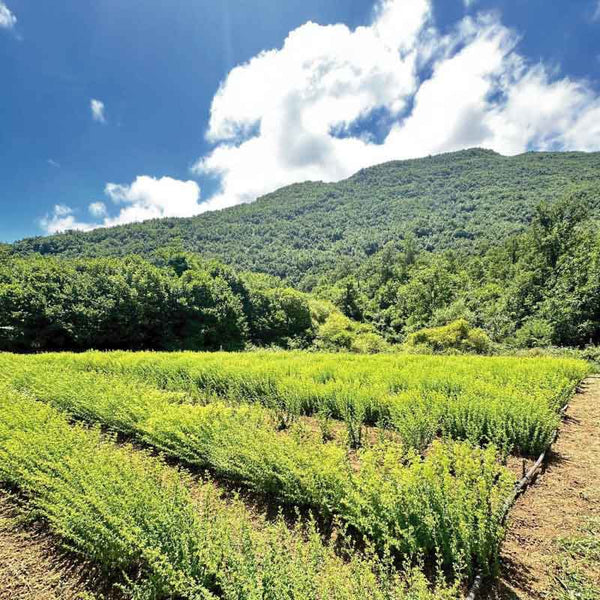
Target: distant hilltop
[[455, 200]]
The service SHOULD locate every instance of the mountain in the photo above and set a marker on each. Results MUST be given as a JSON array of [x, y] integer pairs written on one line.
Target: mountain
[[463, 200]]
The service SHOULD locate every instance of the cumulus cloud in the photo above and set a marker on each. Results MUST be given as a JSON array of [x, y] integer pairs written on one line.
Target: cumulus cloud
[[273, 118], [333, 100], [7, 18], [62, 219], [150, 198], [308, 109], [97, 108], [145, 198]]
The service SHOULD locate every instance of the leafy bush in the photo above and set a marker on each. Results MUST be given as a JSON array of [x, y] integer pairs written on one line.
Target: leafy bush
[[338, 332], [369, 343], [458, 489], [458, 336]]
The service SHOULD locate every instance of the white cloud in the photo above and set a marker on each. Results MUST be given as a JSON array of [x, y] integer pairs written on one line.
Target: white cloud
[[596, 15], [97, 108], [146, 198], [97, 209], [323, 79], [150, 198], [61, 219], [469, 3], [307, 110], [53, 163], [7, 18], [299, 112]]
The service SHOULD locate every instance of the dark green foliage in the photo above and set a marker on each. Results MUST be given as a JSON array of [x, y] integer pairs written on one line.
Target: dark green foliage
[[210, 313], [279, 315], [510, 245], [50, 303], [537, 288]]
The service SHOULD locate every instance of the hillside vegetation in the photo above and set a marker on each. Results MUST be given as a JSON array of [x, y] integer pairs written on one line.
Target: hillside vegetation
[[457, 200], [507, 248], [537, 288]]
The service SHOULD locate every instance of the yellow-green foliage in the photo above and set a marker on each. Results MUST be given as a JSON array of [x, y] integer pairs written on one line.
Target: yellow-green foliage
[[393, 506], [431, 496], [458, 336], [510, 401], [335, 331], [240, 443], [138, 520], [369, 343]]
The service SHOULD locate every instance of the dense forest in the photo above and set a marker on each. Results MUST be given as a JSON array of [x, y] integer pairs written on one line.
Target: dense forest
[[502, 252], [537, 288], [177, 301], [464, 201]]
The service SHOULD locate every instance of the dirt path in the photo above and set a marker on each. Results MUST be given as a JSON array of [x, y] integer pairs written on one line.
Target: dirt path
[[561, 504], [33, 568]]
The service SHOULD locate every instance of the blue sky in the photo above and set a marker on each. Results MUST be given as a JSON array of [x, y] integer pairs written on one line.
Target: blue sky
[[105, 106]]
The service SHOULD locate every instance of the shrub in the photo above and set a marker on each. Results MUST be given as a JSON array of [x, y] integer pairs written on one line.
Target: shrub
[[336, 333], [369, 343], [509, 401], [458, 336]]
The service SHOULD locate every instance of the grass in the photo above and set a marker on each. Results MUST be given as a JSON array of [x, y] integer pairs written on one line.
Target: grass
[[579, 555], [443, 506], [137, 519], [510, 402]]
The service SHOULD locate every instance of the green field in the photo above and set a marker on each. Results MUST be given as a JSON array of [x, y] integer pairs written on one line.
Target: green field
[[384, 468]]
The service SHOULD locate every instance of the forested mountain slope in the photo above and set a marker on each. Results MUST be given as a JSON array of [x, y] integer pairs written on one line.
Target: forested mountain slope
[[458, 200]]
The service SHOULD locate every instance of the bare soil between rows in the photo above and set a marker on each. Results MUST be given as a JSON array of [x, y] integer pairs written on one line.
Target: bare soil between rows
[[34, 567]]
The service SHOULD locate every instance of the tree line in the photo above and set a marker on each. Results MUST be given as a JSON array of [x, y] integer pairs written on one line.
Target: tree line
[[176, 302]]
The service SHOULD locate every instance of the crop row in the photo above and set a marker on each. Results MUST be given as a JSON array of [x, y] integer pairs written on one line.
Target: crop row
[[445, 505], [510, 402], [158, 536]]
